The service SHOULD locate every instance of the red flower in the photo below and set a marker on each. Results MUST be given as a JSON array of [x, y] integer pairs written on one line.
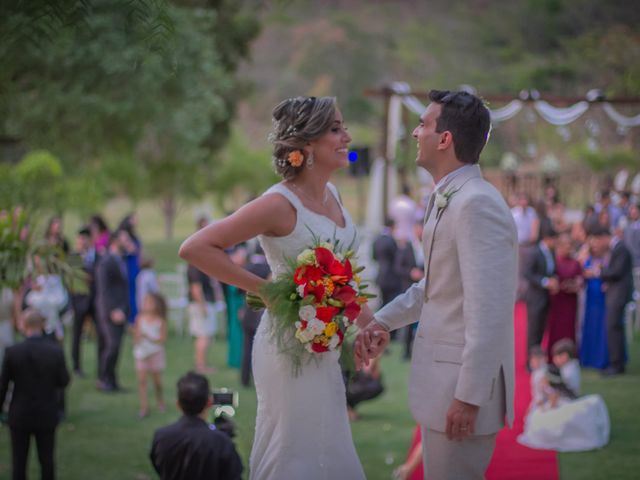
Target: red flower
[[317, 291], [306, 274], [352, 311], [318, 347], [325, 258], [345, 294], [326, 314], [341, 272]]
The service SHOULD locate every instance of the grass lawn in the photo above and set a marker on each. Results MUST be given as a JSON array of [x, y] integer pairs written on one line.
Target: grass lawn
[[102, 438]]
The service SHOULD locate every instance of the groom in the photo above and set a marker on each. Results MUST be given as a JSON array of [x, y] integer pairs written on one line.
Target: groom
[[462, 371]]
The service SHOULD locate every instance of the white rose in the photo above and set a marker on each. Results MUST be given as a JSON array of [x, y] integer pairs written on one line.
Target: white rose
[[307, 257], [441, 200], [333, 342], [304, 336], [308, 312], [315, 327], [300, 290]]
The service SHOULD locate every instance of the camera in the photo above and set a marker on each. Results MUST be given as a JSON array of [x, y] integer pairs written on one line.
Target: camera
[[223, 397], [225, 402]]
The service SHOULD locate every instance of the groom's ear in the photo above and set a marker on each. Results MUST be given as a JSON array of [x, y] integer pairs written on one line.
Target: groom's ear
[[446, 140]]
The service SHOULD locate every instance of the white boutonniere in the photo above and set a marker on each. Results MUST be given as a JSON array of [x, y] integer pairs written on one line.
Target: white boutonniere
[[442, 200]]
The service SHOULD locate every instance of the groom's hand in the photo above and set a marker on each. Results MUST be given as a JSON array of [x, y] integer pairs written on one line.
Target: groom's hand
[[461, 419], [370, 342]]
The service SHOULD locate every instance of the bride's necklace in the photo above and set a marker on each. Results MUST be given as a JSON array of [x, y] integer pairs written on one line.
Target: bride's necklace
[[324, 200]]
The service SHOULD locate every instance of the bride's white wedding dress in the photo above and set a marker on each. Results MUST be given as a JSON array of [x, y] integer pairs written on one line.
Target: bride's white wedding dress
[[302, 427]]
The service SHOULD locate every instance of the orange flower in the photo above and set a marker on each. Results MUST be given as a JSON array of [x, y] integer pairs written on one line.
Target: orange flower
[[295, 158]]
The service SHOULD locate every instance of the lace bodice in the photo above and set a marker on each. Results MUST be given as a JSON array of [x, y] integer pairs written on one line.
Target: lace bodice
[[308, 224]]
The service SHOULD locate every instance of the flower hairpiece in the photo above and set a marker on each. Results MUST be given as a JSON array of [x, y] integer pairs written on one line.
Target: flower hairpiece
[[295, 158]]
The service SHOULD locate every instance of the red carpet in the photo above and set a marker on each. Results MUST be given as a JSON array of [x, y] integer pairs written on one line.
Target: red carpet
[[511, 460]]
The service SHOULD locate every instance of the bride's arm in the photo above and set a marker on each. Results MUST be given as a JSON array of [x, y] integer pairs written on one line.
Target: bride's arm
[[269, 215]]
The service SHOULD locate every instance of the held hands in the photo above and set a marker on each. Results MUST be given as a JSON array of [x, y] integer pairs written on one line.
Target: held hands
[[370, 342], [461, 419]]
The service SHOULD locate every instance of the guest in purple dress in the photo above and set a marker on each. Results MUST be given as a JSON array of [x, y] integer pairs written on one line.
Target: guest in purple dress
[[563, 305]]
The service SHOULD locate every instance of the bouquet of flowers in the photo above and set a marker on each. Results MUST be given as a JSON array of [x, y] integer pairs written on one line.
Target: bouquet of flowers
[[315, 301]]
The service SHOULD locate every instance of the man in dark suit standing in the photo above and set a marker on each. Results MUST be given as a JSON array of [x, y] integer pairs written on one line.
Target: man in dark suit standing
[[249, 317], [112, 307], [617, 276], [37, 369], [83, 302], [385, 250], [539, 271], [191, 448]]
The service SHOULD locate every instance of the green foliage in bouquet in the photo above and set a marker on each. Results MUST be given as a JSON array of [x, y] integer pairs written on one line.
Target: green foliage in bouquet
[[323, 279]]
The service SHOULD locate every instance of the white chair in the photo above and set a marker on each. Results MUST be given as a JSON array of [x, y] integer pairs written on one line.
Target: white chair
[[174, 287]]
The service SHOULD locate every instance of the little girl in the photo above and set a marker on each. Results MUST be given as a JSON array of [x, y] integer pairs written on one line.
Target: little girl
[[150, 334], [566, 422]]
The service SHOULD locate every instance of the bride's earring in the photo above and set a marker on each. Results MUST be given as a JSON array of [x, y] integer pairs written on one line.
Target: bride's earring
[[310, 160]]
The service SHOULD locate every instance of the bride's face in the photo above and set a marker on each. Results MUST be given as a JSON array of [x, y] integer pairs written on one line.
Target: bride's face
[[331, 149]]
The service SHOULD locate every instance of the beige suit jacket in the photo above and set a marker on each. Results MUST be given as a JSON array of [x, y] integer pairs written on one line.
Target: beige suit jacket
[[464, 345]]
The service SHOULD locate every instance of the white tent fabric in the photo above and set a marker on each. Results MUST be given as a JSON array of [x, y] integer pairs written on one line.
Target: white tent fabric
[[621, 120], [560, 116]]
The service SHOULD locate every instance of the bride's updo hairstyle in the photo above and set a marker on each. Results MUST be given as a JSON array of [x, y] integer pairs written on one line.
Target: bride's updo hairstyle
[[297, 121]]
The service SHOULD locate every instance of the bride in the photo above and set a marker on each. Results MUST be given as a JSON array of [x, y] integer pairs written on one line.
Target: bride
[[302, 428]]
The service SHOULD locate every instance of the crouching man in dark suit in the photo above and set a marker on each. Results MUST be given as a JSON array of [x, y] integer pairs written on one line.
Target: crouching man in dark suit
[[191, 448], [37, 369]]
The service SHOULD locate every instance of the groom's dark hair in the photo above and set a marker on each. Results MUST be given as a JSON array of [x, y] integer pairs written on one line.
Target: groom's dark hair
[[467, 118]]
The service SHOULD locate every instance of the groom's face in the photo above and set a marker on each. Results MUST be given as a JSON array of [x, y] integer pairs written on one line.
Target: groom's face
[[427, 137]]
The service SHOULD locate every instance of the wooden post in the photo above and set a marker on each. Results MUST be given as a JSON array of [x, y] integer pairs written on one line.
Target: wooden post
[[387, 92]]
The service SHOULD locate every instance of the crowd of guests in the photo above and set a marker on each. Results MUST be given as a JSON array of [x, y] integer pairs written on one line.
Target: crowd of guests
[[121, 296], [577, 279]]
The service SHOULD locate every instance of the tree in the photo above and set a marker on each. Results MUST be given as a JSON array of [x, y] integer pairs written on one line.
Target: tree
[[242, 168], [141, 91], [177, 149]]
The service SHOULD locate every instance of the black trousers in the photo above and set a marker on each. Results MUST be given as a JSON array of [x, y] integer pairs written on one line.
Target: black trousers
[[249, 327], [109, 358], [20, 440], [388, 294], [537, 312], [615, 335], [82, 308]]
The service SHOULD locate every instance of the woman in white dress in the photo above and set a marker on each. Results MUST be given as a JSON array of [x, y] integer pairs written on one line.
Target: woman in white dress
[[302, 427]]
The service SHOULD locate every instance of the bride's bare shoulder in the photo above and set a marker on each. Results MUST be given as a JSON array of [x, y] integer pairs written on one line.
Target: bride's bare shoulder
[[277, 212]]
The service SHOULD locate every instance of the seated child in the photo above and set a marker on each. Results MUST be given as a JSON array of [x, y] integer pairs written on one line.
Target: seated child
[[564, 421], [539, 384]]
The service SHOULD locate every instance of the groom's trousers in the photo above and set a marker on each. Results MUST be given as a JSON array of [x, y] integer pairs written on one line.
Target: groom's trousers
[[445, 459]]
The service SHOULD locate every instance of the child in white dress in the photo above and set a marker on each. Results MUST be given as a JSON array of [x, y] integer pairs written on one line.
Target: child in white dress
[[539, 384], [150, 334], [564, 421]]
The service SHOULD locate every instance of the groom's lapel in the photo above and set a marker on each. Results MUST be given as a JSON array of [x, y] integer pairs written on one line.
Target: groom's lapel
[[433, 218]]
